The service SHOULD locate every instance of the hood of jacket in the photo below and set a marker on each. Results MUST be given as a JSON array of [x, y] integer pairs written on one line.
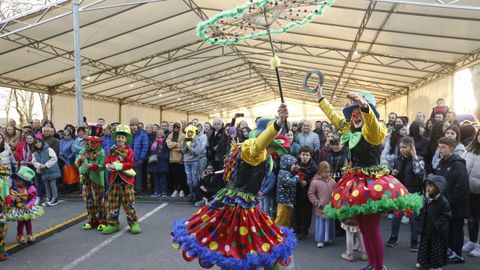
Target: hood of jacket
[[439, 181], [287, 161]]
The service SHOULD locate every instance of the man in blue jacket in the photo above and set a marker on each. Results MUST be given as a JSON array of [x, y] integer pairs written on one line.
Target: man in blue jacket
[[140, 150]]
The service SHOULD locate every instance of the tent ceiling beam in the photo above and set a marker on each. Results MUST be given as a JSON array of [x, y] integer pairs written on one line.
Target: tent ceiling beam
[[203, 16], [435, 3]]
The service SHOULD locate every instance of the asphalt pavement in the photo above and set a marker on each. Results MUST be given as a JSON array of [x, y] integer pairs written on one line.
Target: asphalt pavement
[[73, 248]]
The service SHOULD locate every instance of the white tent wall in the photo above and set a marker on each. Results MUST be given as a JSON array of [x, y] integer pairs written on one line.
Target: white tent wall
[[145, 115], [64, 110], [421, 100]]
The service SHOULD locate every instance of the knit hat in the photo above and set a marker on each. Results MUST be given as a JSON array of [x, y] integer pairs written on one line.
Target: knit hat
[[232, 131], [134, 121]]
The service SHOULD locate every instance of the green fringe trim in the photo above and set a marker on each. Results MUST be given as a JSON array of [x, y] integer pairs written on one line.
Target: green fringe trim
[[412, 202], [233, 194], [373, 172]]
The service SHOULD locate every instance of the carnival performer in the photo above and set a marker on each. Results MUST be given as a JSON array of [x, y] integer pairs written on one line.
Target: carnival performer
[[366, 190], [90, 165], [122, 178], [4, 202], [231, 231], [23, 195]]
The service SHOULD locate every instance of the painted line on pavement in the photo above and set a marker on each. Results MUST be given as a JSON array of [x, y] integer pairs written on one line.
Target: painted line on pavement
[[47, 232], [110, 239]]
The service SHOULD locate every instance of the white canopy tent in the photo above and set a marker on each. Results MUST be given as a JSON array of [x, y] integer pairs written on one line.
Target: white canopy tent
[[146, 54]]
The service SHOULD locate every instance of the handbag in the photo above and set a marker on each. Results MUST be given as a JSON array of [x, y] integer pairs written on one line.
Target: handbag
[[70, 175]]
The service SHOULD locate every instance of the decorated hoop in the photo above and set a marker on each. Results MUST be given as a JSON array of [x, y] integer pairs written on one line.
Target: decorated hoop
[[258, 18], [320, 76]]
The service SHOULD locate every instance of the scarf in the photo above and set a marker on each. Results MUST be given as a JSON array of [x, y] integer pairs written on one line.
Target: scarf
[[26, 154], [158, 142]]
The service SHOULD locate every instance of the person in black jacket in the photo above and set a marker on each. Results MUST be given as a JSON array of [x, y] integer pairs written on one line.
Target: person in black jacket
[[207, 186], [417, 131], [303, 208], [453, 168], [409, 168], [433, 222], [217, 134]]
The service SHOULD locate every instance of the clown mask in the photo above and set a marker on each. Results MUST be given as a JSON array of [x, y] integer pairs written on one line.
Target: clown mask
[[357, 119]]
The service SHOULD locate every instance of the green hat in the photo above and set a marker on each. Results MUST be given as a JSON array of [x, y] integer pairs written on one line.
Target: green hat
[[124, 130], [25, 173]]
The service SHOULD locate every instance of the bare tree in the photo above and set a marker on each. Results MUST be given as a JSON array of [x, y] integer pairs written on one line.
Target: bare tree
[[45, 102], [24, 104], [8, 103]]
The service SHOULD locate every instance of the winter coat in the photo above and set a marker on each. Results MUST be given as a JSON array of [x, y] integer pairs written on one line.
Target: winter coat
[[223, 148], [66, 153], [176, 155], [161, 165], [126, 163], [411, 172], [287, 181], [319, 194], [213, 140], [7, 158], [337, 161], [294, 148], [77, 146], [269, 185], [436, 109], [204, 144], [12, 141], [191, 153], [212, 183], [386, 159], [433, 220], [47, 157], [454, 170], [107, 143], [310, 139], [23, 155], [140, 146], [473, 170]]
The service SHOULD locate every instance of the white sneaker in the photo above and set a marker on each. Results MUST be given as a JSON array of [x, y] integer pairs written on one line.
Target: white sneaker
[[320, 245], [390, 216], [475, 252], [175, 194], [45, 202], [405, 220], [468, 247], [182, 194]]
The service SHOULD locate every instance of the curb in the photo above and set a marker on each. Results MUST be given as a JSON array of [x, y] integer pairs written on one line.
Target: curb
[[13, 248]]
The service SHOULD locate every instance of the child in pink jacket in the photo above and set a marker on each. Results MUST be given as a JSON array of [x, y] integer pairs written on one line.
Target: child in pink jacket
[[319, 194]]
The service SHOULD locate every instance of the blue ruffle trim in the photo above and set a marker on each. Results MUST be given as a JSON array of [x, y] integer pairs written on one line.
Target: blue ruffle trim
[[207, 257]]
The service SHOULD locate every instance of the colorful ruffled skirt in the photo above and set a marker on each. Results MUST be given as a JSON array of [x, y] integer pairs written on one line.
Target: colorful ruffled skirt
[[20, 214], [233, 233], [363, 191]]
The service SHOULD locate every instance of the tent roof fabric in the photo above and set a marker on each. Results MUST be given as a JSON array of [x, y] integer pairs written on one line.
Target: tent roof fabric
[[148, 53]]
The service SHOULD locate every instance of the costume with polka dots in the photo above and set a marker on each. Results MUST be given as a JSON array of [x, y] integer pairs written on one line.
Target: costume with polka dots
[[231, 231]]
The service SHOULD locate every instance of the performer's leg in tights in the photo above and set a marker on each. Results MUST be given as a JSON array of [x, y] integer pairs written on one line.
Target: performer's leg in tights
[[370, 228]]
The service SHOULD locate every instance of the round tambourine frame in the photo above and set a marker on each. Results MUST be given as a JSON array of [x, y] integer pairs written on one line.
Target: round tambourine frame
[[321, 79]]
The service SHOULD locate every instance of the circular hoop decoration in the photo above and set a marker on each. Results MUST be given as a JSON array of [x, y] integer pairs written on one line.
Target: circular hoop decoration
[[258, 18], [320, 76]]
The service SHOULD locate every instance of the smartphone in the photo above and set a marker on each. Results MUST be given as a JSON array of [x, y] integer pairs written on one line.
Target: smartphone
[[238, 115]]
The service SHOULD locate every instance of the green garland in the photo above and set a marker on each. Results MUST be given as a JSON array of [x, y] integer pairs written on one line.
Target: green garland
[[411, 201], [203, 26], [373, 171], [234, 193]]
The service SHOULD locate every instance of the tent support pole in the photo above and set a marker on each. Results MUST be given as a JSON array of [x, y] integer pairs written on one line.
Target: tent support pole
[[78, 64]]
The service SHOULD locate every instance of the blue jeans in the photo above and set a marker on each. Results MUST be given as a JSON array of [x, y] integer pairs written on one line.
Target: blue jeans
[[191, 169], [266, 205], [413, 227], [160, 183]]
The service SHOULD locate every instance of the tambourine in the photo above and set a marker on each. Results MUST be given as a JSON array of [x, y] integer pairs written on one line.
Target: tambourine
[[320, 80]]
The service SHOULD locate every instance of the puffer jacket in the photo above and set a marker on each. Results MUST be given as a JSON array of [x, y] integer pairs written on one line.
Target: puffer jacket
[[47, 157], [140, 146], [454, 170], [473, 170], [287, 181]]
